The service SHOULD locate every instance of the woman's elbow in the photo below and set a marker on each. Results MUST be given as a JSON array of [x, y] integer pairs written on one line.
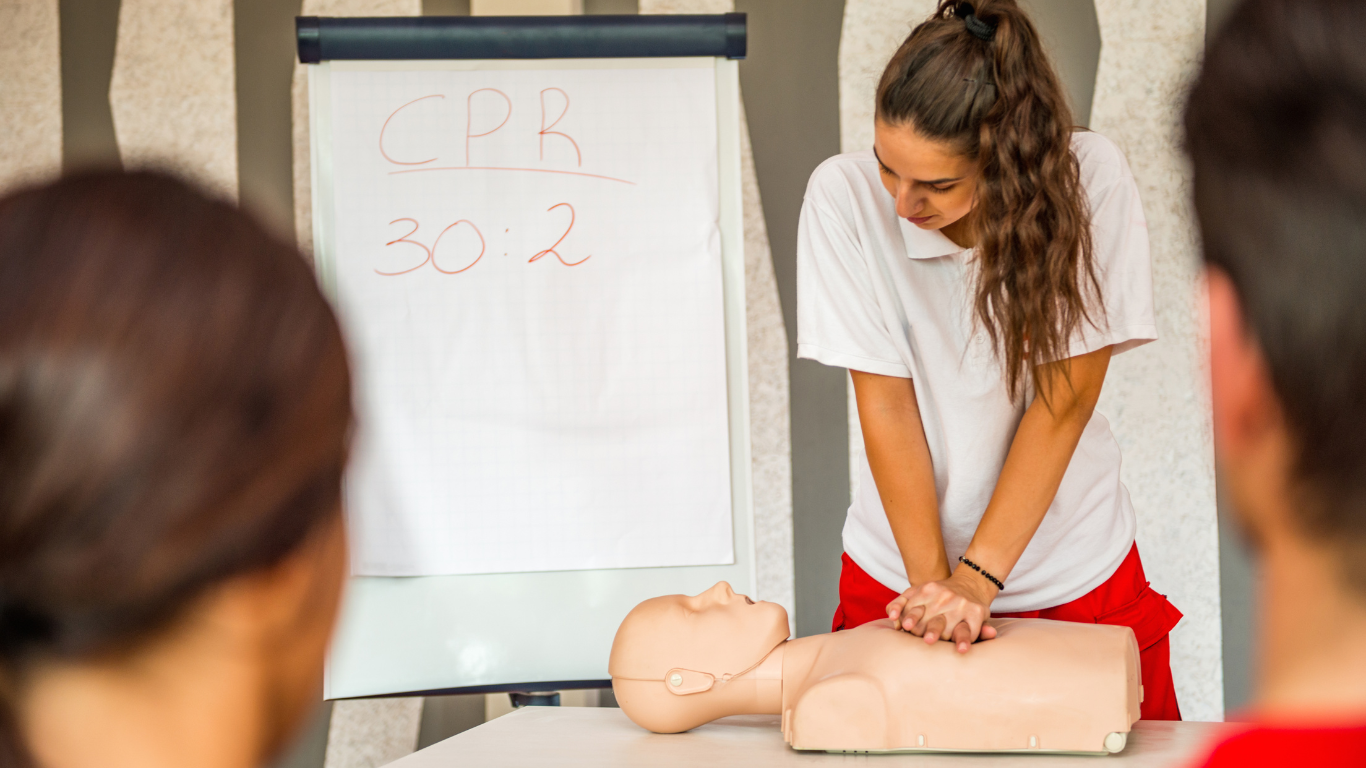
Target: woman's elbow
[[1071, 408]]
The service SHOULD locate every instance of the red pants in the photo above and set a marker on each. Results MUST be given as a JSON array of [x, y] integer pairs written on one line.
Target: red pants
[[1125, 599]]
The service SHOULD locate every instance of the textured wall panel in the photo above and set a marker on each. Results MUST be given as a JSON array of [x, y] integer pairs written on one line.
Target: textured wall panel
[[368, 733], [770, 428], [173, 91], [873, 30], [30, 92], [1157, 396], [769, 409]]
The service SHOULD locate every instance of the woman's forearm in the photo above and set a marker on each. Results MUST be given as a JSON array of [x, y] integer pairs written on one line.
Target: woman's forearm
[[1038, 459], [899, 458]]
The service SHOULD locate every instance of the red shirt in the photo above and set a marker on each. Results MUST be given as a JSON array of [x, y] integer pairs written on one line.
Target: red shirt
[[1282, 746]]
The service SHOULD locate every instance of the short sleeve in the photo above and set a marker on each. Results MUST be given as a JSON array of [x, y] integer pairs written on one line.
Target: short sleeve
[[839, 321], [1123, 263]]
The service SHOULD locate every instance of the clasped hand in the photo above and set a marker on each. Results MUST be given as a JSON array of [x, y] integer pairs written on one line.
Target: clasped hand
[[953, 609]]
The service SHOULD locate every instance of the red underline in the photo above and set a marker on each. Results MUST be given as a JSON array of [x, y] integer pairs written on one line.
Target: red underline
[[528, 170]]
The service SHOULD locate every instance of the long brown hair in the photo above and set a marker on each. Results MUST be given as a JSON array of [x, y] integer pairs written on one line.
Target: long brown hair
[[174, 410], [977, 78]]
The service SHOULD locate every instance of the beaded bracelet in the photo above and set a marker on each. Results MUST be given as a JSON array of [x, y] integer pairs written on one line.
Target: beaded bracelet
[[978, 568]]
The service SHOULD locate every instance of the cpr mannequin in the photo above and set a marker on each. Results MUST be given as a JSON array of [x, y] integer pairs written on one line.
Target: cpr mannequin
[[679, 662]]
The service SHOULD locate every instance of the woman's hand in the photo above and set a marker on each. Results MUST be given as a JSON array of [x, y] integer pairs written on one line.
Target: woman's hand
[[953, 609]]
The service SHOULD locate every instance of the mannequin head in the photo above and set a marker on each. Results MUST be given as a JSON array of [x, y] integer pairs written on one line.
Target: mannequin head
[[705, 640]]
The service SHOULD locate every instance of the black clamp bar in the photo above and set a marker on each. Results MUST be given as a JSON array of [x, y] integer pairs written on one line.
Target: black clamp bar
[[520, 37]]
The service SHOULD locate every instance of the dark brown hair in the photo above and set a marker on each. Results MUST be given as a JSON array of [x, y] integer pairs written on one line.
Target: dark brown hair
[[997, 100], [174, 410], [1276, 131]]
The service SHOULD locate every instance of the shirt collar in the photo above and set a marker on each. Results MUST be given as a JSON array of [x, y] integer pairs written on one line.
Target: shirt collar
[[927, 243]]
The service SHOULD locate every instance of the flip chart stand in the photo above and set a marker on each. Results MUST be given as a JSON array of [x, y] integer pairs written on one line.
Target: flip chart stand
[[389, 622], [520, 37]]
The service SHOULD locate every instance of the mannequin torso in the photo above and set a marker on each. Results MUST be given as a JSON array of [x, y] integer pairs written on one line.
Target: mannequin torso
[[1039, 686]]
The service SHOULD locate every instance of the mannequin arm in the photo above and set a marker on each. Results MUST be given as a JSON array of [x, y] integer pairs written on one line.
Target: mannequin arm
[[899, 457]]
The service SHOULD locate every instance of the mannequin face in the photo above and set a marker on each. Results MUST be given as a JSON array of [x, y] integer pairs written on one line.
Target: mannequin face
[[717, 631], [720, 616]]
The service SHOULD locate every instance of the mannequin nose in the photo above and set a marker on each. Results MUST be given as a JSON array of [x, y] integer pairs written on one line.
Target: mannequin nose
[[721, 593]]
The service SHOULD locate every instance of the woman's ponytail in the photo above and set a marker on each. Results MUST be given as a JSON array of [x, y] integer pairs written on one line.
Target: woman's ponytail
[[976, 77]]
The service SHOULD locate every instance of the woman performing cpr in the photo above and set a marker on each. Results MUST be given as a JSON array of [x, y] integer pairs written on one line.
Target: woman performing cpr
[[975, 272]]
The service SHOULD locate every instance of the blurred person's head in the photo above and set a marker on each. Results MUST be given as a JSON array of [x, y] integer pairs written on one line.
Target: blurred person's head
[[174, 418], [1276, 129]]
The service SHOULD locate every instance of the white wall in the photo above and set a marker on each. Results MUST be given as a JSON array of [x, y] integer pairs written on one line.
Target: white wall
[[31, 97]]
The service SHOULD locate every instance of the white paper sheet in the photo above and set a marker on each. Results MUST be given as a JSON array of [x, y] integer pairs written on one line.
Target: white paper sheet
[[528, 269]]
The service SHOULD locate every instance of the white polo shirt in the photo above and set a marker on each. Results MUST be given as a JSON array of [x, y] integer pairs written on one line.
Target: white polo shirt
[[876, 293]]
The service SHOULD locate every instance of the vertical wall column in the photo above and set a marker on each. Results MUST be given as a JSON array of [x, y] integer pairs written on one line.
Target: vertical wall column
[[30, 92], [1157, 396], [173, 93], [769, 404], [873, 30]]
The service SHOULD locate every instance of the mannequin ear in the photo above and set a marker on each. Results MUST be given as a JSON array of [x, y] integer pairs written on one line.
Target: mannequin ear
[[685, 681]]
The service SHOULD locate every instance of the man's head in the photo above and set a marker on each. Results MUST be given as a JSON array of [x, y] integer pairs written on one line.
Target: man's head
[[1276, 130]]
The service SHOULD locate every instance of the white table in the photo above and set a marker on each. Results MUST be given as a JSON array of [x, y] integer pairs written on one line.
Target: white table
[[605, 738]]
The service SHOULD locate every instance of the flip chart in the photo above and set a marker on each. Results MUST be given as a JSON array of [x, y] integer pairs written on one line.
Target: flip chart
[[527, 264]]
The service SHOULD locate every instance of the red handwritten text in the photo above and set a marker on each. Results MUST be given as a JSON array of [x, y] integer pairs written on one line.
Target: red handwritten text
[[469, 118], [551, 250], [464, 256], [386, 127], [545, 129], [488, 111], [482, 247], [404, 239]]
